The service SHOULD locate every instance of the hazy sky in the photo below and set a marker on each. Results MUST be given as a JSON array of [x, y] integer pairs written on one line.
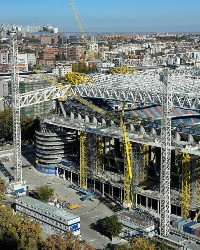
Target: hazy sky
[[105, 15]]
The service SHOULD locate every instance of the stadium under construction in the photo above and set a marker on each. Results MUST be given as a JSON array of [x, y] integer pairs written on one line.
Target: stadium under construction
[[77, 135]]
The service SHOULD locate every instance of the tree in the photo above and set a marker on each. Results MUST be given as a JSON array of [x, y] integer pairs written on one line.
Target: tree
[[44, 193], [110, 226], [64, 242], [2, 188], [17, 232], [138, 244], [28, 126], [142, 244]]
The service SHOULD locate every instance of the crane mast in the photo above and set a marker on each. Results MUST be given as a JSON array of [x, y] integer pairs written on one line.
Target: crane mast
[[165, 207], [16, 106]]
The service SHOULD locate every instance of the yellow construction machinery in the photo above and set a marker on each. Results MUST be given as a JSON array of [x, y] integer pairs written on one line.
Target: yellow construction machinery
[[75, 78], [128, 180], [122, 70], [125, 69], [72, 206]]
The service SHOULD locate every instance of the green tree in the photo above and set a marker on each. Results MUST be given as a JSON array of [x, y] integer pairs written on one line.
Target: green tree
[[64, 242], [142, 244], [44, 193], [17, 232], [28, 126], [110, 226], [2, 188]]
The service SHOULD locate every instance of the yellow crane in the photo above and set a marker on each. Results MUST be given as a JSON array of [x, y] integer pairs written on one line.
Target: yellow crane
[[128, 176], [78, 20], [89, 52]]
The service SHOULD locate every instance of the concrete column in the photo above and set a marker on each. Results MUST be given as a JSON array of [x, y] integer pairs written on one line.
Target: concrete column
[[121, 194], [94, 120], [158, 207], [102, 189], [79, 117], [71, 178], [64, 178], [111, 122], [87, 119], [142, 129], [94, 185], [78, 180], [71, 116], [103, 121], [112, 191], [177, 136], [190, 138], [153, 131], [146, 202], [132, 128]]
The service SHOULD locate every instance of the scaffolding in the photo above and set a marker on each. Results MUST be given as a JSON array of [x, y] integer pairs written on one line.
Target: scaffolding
[[144, 149], [83, 159], [185, 185], [100, 154]]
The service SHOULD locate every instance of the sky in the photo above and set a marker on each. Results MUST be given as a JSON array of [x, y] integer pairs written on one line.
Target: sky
[[106, 15]]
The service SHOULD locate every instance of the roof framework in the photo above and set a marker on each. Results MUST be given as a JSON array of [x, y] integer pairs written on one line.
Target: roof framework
[[141, 88]]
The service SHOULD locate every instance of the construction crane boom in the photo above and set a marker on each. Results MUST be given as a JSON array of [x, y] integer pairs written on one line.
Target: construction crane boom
[[78, 20]]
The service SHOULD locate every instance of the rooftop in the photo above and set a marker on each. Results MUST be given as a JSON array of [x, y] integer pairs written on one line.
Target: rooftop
[[53, 211]]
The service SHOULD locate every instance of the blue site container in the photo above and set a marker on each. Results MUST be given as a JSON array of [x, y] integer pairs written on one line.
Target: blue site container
[[193, 227], [174, 218], [175, 224], [182, 223], [186, 227]]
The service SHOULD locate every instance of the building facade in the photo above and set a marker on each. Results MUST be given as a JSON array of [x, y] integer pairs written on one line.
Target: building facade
[[62, 70]]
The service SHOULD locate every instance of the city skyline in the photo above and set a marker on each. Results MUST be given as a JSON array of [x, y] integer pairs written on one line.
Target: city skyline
[[106, 16]]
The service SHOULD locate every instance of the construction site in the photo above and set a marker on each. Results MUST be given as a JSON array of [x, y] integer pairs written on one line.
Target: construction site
[[109, 136], [88, 148], [132, 136]]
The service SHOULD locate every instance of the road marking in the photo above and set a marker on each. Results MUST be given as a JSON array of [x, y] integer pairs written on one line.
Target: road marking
[[86, 213], [94, 217], [92, 240]]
